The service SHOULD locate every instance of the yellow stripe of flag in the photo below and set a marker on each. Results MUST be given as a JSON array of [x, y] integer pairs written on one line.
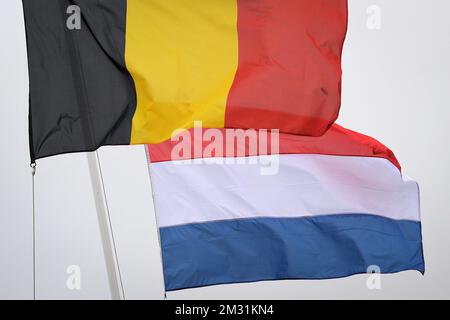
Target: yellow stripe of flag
[[190, 49]]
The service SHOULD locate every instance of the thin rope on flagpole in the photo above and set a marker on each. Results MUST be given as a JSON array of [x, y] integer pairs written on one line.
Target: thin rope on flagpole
[[33, 173], [156, 219]]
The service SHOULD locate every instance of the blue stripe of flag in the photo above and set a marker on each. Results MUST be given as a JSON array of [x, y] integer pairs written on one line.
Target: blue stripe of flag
[[256, 249]]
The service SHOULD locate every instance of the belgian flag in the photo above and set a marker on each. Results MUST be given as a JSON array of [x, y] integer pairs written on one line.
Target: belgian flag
[[136, 70]]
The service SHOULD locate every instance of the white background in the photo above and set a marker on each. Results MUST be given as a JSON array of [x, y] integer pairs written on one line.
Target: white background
[[396, 88]]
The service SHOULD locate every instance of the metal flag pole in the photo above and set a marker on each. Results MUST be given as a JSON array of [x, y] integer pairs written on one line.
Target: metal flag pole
[[106, 230], [156, 218]]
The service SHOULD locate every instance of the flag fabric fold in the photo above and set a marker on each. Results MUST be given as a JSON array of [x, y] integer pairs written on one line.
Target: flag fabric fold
[[337, 205]]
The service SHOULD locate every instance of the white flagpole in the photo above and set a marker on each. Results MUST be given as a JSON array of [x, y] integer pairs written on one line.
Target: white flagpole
[[106, 231], [156, 218]]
